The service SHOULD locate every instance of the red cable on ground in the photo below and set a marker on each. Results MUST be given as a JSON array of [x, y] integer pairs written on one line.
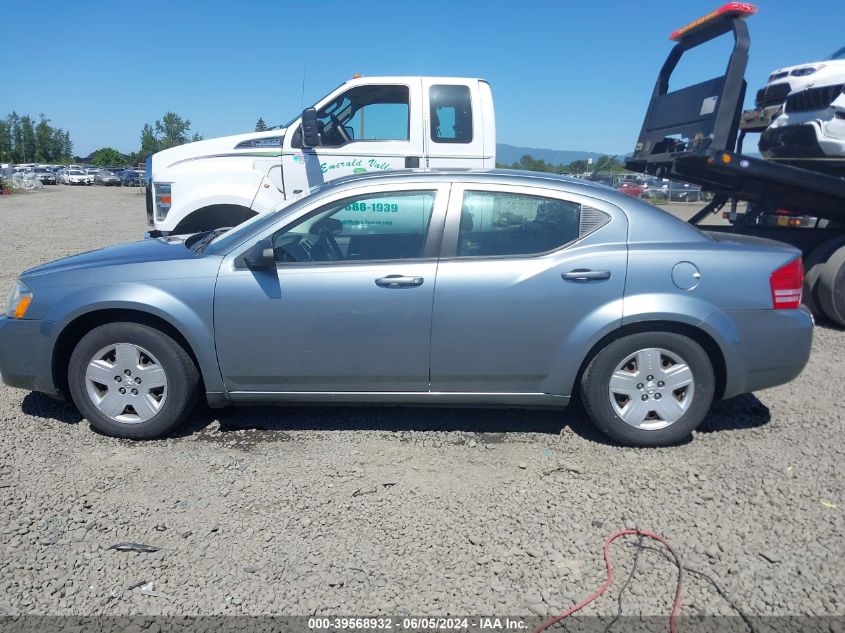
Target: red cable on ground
[[676, 607]]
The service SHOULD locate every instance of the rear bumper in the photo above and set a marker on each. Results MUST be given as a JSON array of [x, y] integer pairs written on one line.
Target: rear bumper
[[762, 348], [26, 355]]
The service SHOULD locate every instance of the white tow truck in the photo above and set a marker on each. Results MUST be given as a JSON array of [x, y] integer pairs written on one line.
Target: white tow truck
[[366, 124]]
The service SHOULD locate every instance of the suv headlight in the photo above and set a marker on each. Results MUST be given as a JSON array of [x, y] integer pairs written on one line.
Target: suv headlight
[[806, 70], [163, 199], [19, 301]]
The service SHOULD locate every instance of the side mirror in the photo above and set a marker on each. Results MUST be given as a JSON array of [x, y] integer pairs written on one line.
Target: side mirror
[[310, 133], [261, 255]]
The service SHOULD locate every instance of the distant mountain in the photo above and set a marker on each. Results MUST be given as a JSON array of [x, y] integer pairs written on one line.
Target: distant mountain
[[508, 154]]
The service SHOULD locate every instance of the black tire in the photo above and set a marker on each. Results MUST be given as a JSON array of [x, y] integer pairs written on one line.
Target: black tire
[[595, 384], [813, 266], [182, 379], [831, 287]]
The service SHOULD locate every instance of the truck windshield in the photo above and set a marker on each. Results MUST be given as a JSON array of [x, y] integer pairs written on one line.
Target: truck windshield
[[296, 118]]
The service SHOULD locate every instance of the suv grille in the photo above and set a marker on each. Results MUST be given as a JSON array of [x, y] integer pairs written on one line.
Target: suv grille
[[813, 98], [772, 95]]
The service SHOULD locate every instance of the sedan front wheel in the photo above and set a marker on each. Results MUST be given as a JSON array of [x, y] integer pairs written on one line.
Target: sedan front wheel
[[133, 381], [649, 389]]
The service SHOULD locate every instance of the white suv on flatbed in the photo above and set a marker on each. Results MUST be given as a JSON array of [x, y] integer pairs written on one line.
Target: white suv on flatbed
[[806, 106]]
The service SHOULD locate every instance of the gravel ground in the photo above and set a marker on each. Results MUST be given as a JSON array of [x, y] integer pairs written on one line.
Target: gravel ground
[[273, 510]]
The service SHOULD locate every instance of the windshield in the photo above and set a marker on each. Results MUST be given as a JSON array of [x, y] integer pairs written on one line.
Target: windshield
[[75, 172], [840, 54], [299, 114], [225, 242]]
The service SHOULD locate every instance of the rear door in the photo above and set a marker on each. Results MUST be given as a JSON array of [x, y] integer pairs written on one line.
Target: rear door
[[527, 276], [455, 130]]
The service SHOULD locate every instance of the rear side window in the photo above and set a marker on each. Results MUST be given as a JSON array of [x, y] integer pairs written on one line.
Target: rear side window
[[450, 114], [497, 224]]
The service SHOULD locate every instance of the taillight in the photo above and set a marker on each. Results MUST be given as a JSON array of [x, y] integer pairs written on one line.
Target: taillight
[[787, 283]]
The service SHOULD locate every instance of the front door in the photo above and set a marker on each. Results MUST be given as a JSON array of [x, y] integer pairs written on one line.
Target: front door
[[367, 128], [522, 269], [347, 307]]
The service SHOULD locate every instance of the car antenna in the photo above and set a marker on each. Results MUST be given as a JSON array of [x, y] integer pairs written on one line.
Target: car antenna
[[301, 100]]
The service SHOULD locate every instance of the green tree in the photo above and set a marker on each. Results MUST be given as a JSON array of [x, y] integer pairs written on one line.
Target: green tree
[[17, 137], [44, 146], [260, 125], [27, 139], [173, 130], [6, 143], [149, 142], [169, 131], [107, 156]]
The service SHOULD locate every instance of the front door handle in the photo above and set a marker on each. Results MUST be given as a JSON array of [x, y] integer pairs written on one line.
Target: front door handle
[[582, 274], [399, 281]]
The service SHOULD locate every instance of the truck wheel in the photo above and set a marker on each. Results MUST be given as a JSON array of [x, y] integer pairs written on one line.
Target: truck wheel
[[132, 381], [213, 217], [813, 267], [832, 287], [649, 389]]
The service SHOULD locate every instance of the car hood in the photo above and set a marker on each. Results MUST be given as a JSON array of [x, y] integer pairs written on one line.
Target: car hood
[[265, 143], [829, 72], [157, 250]]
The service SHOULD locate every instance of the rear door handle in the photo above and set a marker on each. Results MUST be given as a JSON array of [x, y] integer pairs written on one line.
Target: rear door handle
[[399, 281], [582, 274]]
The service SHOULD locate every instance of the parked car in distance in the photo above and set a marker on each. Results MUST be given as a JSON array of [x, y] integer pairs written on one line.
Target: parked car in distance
[[130, 178], [76, 177], [630, 188], [449, 288], [44, 175], [106, 178]]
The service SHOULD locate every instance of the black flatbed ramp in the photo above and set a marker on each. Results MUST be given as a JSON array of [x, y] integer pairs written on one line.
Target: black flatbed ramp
[[690, 134]]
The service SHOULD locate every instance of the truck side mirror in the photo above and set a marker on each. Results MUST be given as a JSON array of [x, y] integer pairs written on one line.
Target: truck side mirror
[[261, 255], [310, 133]]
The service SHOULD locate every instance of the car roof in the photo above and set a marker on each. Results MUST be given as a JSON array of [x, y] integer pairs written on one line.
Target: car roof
[[491, 176]]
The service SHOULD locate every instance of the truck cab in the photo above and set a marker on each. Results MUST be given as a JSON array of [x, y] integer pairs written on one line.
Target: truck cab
[[367, 124]]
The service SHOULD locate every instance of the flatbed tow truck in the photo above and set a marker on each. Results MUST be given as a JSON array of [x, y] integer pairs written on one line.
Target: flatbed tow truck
[[693, 134]]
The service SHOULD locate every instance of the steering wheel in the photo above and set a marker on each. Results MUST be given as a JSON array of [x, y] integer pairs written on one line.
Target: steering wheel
[[340, 129], [326, 234]]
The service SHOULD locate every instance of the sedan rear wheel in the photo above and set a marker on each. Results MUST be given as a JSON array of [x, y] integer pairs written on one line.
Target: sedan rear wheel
[[649, 389], [130, 380]]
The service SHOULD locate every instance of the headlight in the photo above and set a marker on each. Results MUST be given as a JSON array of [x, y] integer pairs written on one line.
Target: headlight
[[805, 70], [163, 199], [19, 301]]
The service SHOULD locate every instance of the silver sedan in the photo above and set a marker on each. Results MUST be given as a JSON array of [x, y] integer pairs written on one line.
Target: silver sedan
[[494, 288]]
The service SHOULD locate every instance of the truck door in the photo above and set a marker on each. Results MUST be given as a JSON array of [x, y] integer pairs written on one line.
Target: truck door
[[460, 130], [366, 128]]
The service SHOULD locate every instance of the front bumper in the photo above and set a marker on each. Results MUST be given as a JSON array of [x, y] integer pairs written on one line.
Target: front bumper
[[26, 354], [802, 140], [762, 348]]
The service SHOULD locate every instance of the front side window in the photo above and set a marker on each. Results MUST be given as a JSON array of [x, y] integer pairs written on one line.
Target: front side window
[[362, 228], [450, 114], [498, 224], [365, 113]]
